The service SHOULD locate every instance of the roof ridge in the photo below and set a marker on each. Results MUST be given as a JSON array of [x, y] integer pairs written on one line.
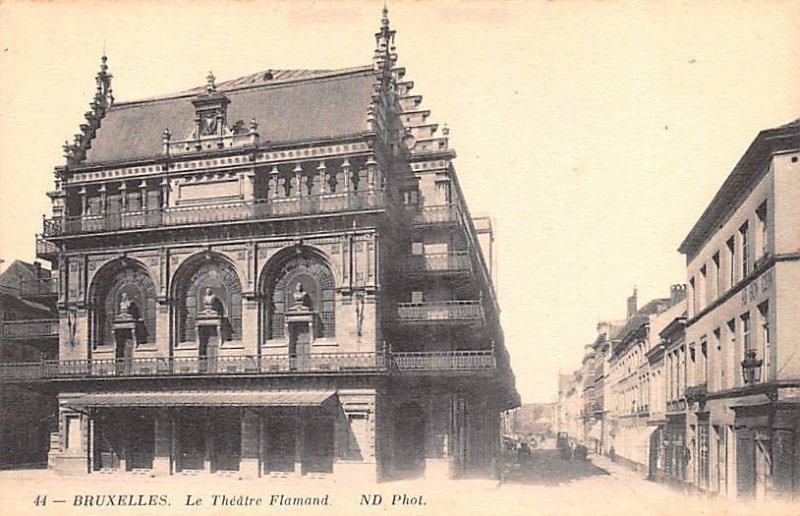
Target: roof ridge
[[229, 85]]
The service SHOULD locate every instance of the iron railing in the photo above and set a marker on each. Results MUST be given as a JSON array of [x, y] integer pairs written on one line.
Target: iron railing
[[444, 360], [29, 329], [436, 214], [319, 363], [440, 262], [197, 365], [440, 311], [220, 212], [678, 405]]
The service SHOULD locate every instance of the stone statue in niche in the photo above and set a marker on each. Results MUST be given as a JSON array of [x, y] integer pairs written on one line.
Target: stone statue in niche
[[212, 306], [124, 307], [127, 310], [302, 301]]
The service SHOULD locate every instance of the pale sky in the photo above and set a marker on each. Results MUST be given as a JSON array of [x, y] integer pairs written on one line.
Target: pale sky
[[594, 133]]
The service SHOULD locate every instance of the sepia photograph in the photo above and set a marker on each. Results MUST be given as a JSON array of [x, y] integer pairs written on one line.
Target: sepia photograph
[[399, 257]]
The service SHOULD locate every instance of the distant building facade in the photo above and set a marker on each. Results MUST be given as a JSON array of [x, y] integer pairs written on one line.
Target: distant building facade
[[273, 276], [28, 332]]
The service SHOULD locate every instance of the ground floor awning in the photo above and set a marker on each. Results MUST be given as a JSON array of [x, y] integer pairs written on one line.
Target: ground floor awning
[[205, 399]]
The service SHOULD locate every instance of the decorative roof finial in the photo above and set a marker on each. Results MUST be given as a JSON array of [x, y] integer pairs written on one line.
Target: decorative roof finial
[[384, 57], [104, 94], [210, 86]]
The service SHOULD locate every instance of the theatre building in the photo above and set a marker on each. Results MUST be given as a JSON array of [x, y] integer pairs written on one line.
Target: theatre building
[[275, 275], [742, 356]]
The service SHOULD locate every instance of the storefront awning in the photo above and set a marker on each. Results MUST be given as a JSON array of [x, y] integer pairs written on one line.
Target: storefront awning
[[205, 399]]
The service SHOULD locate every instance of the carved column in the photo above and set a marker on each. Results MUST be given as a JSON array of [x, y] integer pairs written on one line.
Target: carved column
[[82, 193], [164, 193], [143, 195], [346, 175], [371, 172], [123, 196], [298, 180], [323, 178], [103, 199], [273, 183]]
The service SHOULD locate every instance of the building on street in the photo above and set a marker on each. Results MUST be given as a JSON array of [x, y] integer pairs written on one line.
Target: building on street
[[28, 332], [276, 275], [742, 355]]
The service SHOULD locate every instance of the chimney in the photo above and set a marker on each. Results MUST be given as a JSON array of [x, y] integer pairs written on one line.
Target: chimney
[[632, 304], [677, 293], [37, 270]]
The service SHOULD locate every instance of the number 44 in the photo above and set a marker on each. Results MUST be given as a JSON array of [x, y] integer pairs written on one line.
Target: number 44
[[41, 500]]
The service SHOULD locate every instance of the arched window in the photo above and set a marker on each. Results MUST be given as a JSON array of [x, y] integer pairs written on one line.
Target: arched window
[[119, 287], [192, 284], [278, 294]]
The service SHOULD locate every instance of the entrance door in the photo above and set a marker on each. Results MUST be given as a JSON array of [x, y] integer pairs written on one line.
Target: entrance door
[[209, 346], [192, 440], [745, 464], [227, 440], [107, 442], [409, 450], [299, 345], [123, 351], [280, 442], [141, 440], [318, 445]]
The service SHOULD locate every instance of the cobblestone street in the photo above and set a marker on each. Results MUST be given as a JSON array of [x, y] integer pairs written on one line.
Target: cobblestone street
[[548, 485]]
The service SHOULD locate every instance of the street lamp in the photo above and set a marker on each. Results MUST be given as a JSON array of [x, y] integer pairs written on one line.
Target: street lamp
[[751, 367]]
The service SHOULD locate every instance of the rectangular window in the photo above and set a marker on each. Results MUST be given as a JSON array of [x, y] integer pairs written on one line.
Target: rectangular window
[[763, 316], [731, 354], [703, 287], [416, 297], [745, 317], [719, 357], [416, 248], [694, 297], [731, 262], [744, 232], [704, 360], [717, 276], [761, 213]]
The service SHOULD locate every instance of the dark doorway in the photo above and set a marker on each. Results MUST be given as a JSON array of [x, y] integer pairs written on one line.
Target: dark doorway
[[209, 345], [318, 445], [141, 440], [226, 440], [108, 446], [192, 440], [123, 351], [299, 345], [409, 450], [280, 442]]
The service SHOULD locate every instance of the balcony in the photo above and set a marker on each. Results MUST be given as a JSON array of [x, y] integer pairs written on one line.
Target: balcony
[[265, 365], [216, 213], [696, 393], [29, 329], [437, 214], [441, 311], [444, 361], [42, 287], [45, 250], [439, 263], [676, 406]]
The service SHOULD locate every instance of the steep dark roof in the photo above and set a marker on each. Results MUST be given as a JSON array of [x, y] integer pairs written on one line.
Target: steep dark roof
[[641, 317], [747, 172], [291, 106]]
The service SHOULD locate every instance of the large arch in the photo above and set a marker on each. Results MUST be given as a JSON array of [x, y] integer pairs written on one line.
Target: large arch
[[124, 277], [300, 265], [193, 278]]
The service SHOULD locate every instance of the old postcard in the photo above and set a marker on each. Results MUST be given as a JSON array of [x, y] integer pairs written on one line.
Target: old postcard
[[402, 258]]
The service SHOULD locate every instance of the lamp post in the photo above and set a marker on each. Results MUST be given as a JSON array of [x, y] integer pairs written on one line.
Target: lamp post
[[751, 367]]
